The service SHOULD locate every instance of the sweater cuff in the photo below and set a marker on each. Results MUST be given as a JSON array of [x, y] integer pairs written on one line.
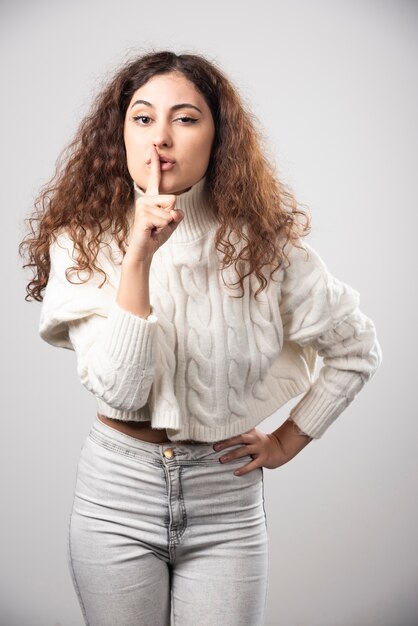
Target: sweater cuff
[[318, 408], [129, 337]]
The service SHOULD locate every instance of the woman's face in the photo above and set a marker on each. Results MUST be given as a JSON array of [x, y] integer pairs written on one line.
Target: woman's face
[[184, 134]]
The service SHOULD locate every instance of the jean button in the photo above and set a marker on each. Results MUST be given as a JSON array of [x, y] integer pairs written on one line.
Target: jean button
[[169, 453]]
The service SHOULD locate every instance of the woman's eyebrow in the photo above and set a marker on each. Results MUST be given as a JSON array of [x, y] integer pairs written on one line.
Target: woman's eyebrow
[[182, 105]]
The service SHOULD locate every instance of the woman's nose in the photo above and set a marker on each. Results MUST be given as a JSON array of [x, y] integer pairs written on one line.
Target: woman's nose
[[162, 135], [161, 142]]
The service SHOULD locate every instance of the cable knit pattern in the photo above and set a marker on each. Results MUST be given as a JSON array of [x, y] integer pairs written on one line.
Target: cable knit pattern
[[198, 345], [239, 370], [163, 402], [207, 365]]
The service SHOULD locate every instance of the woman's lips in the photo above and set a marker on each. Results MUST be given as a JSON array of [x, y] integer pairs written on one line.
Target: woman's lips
[[165, 165]]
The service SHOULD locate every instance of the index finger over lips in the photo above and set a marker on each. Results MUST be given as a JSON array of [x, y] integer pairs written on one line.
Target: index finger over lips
[[153, 187]]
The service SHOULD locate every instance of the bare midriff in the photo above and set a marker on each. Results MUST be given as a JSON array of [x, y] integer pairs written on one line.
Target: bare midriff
[[142, 430]]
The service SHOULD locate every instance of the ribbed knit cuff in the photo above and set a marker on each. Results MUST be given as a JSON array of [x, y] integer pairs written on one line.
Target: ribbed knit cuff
[[318, 408], [130, 337]]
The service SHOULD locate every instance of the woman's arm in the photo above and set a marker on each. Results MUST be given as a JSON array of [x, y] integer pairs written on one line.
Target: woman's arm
[[319, 310], [115, 346], [116, 356]]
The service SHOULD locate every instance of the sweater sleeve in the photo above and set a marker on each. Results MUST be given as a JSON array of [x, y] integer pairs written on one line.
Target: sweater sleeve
[[319, 310], [115, 349]]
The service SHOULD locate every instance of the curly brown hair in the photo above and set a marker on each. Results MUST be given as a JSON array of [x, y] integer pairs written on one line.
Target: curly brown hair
[[92, 190]]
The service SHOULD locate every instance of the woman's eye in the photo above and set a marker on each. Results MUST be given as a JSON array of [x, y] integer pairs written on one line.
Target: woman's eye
[[184, 118], [140, 117], [189, 119]]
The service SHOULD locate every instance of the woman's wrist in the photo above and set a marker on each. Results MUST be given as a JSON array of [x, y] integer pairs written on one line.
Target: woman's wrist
[[291, 438], [297, 430], [133, 291]]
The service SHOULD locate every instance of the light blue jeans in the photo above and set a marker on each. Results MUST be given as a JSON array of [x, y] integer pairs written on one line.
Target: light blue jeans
[[162, 532]]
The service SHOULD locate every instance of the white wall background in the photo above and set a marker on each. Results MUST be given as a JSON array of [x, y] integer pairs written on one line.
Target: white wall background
[[334, 87]]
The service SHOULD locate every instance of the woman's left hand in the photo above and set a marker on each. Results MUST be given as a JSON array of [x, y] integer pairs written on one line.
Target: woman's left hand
[[265, 450]]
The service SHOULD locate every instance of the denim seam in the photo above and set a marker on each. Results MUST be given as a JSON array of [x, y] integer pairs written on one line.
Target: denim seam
[[180, 531], [167, 517], [265, 518], [72, 571], [264, 508], [171, 546]]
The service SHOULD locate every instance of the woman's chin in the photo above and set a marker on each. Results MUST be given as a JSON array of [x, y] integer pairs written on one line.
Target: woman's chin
[[166, 186]]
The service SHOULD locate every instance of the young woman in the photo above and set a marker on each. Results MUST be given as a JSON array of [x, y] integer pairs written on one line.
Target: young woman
[[165, 207]]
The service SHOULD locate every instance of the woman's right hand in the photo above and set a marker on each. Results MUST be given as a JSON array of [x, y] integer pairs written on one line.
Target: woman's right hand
[[156, 217]]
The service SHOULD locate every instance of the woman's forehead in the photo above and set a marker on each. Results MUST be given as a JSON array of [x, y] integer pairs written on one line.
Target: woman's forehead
[[169, 89]]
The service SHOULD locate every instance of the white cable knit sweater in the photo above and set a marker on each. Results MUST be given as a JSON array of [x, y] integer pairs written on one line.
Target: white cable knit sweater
[[207, 365]]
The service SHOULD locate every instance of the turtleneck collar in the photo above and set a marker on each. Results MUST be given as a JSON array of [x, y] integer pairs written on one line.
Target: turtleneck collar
[[199, 216]]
